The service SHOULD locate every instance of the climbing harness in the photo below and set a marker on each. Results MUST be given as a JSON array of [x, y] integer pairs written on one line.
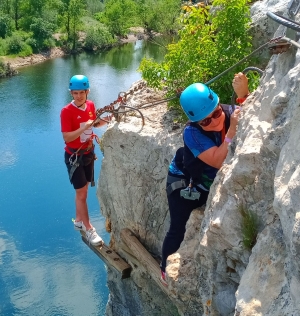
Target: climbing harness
[[190, 192], [175, 183], [77, 155]]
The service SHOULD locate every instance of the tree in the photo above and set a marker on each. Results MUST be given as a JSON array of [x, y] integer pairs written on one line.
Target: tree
[[75, 11], [94, 6], [6, 6], [168, 13], [119, 15], [158, 15], [97, 38], [42, 30], [16, 4], [5, 26], [209, 43]]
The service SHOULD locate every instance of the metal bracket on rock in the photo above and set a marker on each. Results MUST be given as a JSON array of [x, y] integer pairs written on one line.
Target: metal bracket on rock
[[290, 25], [293, 8]]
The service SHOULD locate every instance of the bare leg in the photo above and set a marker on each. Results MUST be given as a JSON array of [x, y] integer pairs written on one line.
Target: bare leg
[[82, 213]]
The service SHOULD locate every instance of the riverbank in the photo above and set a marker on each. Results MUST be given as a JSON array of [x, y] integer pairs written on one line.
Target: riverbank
[[18, 62]]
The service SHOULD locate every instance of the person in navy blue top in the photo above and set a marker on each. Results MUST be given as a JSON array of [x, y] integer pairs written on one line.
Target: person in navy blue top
[[206, 137]]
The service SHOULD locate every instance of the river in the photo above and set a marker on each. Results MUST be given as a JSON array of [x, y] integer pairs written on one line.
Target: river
[[45, 268]]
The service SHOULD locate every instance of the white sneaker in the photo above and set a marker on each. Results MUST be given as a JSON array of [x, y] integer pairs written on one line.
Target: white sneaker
[[79, 226], [93, 237]]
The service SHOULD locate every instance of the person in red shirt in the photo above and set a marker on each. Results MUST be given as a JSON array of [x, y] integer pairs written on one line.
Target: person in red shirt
[[77, 120]]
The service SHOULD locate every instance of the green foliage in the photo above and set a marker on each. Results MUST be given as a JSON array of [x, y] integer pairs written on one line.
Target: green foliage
[[118, 15], [16, 46], [33, 44], [26, 51], [6, 70], [210, 42], [159, 15], [41, 18], [249, 227], [98, 38], [42, 33], [75, 11], [253, 80], [5, 26], [94, 6], [153, 72], [48, 43], [3, 47]]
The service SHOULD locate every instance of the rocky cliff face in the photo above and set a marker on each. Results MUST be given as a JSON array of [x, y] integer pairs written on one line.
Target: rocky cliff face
[[212, 273]]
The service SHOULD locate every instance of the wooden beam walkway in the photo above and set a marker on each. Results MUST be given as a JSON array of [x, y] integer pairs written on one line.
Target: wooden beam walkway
[[137, 250], [110, 257], [143, 256]]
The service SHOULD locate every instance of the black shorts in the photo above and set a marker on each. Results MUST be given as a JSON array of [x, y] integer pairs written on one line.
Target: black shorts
[[84, 172]]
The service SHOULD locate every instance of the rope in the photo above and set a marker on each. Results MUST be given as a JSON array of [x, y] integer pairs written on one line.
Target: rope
[[241, 61]]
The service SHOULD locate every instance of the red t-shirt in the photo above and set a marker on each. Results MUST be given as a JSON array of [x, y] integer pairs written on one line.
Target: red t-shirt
[[72, 118]]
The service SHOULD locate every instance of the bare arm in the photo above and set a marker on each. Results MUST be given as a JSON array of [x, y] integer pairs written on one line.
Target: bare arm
[[215, 156], [105, 120], [70, 136]]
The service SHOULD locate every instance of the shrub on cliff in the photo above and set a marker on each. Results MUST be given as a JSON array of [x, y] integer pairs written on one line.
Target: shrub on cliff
[[210, 41]]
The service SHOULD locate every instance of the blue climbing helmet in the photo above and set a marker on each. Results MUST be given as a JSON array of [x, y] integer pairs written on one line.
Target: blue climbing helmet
[[79, 82], [198, 101]]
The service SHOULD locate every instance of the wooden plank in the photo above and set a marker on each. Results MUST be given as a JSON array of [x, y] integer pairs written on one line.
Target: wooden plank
[[143, 256], [110, 257]]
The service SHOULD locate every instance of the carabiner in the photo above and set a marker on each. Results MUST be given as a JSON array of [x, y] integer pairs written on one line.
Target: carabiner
[[72, 163]]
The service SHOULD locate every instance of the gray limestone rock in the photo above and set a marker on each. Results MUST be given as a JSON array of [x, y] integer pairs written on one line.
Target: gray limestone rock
[[212, 273]]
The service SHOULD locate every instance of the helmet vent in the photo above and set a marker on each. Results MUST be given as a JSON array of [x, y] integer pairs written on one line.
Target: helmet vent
[[191, 113], [210, 96]]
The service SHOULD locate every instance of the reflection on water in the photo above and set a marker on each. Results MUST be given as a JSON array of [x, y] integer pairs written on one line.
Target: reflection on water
[[45, 268], [38, 284]]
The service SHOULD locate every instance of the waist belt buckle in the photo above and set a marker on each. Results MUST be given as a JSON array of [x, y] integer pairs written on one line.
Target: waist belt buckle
[[190, 194]]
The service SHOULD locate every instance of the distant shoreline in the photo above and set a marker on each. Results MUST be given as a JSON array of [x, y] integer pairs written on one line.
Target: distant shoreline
[[55, 52]]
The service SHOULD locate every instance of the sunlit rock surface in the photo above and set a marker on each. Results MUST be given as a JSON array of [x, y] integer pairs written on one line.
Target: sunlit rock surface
[[212, 273]]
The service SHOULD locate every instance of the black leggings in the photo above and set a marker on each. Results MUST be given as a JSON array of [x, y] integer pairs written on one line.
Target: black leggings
[[180, 210]]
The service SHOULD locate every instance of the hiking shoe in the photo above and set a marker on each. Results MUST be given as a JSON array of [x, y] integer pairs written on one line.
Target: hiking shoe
[[79, 226], [163, 278], [93, 238]]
